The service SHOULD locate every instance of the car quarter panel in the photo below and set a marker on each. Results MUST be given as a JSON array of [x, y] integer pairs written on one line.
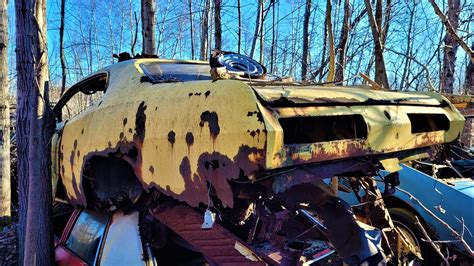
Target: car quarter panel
[[178, 137]]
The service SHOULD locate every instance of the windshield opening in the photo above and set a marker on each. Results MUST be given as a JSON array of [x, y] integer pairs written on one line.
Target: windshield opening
[[175, 72]]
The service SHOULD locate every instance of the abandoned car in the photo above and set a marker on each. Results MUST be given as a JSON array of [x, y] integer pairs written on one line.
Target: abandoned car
[[444, 191], [233, 158]]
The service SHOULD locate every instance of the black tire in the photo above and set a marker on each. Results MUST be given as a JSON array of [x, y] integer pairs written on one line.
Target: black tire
[[405, 220]]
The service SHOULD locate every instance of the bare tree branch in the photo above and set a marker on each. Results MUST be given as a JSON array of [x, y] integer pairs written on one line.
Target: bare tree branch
[[451, 31]]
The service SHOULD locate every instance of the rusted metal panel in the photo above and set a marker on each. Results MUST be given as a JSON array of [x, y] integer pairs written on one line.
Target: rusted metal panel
[[190, 139], [219, 246]]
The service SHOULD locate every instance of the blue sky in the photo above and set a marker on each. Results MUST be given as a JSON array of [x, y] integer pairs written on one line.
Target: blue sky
[[94, 29]]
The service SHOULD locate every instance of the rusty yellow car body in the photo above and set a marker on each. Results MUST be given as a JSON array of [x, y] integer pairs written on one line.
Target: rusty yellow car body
[[184, 138]]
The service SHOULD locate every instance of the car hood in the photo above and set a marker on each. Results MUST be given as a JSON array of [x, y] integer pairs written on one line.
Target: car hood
[[463, 185]]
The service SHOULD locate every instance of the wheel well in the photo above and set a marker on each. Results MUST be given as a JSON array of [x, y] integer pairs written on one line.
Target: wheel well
[[394, 202], [110, 180]]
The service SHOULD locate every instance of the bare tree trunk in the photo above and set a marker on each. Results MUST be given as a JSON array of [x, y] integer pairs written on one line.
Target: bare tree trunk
[[408, 51], [305, 58], [5, 181], [148, 27], [61, 48], [239, 33], [469, 80], [204, 30], [272, 50], [34, 130], [450, 48], [345, 28], [257, 28], [378, 36], [217, 24], [191, 27], [262, 40], [332, 57]]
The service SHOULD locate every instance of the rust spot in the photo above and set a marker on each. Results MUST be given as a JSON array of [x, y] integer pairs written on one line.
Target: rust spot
[[171, 137], [197, 94], [82, 132], [190, 94], [130, 130], [140, 120], [125, 120], [121, 135], [252, 133], [78, 153], [207, 93], [213, 122], [260, 117], [189, 138], [109, 144], [151, 169], [75, 144]]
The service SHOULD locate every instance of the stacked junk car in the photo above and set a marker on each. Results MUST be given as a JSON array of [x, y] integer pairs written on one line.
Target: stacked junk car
[[194, 163]]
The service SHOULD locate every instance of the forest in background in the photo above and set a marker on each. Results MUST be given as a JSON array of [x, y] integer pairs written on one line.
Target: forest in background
[[401, 45], [414, 45]]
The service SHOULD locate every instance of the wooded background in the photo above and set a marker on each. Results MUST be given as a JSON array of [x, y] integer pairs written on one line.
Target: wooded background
[[399, 44], [272, 31]]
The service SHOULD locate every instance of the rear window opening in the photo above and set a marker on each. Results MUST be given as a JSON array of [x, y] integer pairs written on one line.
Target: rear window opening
[[421, 123], [297, 130]]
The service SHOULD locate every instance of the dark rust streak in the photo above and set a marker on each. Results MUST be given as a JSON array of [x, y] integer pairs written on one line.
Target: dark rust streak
[[171, 137], [213, 122]]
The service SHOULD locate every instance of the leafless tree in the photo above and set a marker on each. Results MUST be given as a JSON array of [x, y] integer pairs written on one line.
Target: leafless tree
[[379, 33], [258, 25], [5, 182], [34, 131], [205, 30], [217, 24], [148, 26], [239, 30], [191, 28], [345, 28], [61, 48], [305, 58]]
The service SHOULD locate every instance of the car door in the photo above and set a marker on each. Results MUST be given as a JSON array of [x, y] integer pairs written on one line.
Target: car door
[[82, 238]]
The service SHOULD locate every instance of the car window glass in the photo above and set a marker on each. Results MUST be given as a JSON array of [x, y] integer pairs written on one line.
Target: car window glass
[[86, 235], [175, 72], [122, 244]]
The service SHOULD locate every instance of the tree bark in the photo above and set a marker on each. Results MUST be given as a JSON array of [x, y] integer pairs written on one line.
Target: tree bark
[[191, 27], [5, 181], [345, 28], [257, 28], [305, 58], [217, 24], [61, 48], [239, 33], [34, 130], [450, 48], [204, 30], [408, 51], [332, 59], [378, 37], [148, 27], [469, 79]]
